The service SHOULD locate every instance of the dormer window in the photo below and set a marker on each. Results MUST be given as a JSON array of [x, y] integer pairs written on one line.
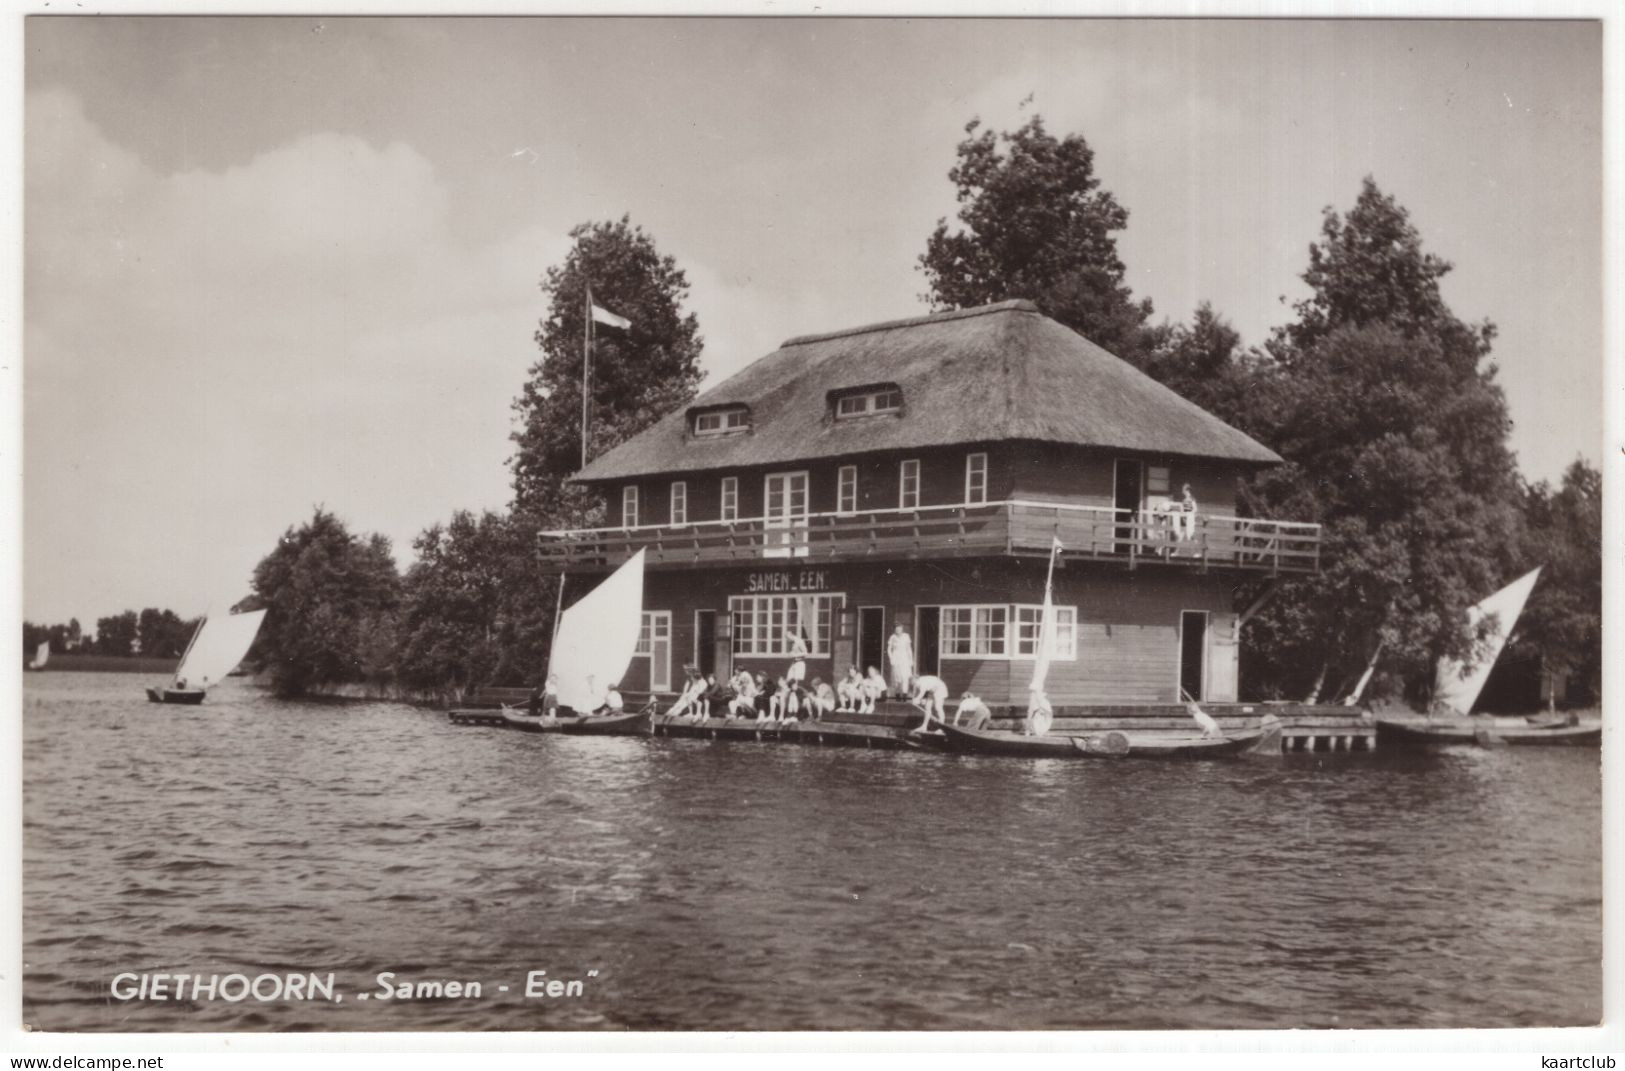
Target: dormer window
[[728, 420], [880, 400]]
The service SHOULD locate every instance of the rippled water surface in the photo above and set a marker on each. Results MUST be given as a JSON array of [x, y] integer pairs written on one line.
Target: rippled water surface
[[754, 886]]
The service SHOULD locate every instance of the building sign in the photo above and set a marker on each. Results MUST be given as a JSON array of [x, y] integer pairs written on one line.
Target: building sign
[[787, 580]]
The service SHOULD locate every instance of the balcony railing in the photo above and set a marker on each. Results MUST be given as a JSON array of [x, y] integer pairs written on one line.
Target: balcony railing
[[1012, 528]]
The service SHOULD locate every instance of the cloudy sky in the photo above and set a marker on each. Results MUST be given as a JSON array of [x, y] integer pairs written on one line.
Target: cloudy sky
[[271, 263]]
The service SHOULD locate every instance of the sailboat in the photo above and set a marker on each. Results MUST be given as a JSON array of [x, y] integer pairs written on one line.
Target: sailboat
[[42, 655], [1457, 686], [216, 647], [593, 645]]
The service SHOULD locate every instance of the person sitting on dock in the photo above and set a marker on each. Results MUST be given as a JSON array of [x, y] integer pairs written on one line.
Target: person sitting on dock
[[931, 696], [874, 686], [769, 699], [822, 700], [850, 691], [972, 707], [744, 700], [717, 695], [690, 702]]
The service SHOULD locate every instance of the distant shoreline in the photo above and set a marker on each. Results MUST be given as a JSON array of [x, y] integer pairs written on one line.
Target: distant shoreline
[[82, 663]]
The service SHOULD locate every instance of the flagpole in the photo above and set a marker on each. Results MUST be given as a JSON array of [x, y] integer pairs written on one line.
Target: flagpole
[[586, 372]]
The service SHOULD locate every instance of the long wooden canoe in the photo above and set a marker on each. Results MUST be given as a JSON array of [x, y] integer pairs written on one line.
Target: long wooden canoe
[[1111, 744], [1459, 732]]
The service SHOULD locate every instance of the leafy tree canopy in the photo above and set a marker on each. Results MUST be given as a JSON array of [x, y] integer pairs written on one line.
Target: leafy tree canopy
[[1396, 442], [1563, 620], [1035, 223], [331, 598], [638, 374]]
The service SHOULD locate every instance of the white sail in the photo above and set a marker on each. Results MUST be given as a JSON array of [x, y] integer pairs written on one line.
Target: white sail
[[42, 655], [1456, 685], [220, 643], [1038, 707], [597, 638]]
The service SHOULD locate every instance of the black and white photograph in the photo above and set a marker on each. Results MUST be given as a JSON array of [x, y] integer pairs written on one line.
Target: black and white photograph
[[747, 524]]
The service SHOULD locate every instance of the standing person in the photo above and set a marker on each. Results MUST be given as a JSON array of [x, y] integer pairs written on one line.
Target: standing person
[[1187, 514], [798, 656], [900, 653], [931, 696]]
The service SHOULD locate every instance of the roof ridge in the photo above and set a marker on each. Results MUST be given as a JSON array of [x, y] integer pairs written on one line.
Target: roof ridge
[[1012, 305]]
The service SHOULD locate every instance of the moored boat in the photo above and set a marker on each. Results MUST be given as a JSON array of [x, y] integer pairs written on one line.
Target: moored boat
[[631, 723], [1266, 739], [188, 696], [1430, 733]]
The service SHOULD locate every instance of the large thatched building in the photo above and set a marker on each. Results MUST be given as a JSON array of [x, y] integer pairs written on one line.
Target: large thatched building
[[916, 474]]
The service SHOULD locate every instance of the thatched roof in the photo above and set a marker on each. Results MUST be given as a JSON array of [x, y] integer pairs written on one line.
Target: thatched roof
[[989, 374]]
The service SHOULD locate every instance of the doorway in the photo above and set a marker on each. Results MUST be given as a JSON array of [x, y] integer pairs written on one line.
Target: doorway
[[1128, 494], [927, 632], [705, 641], [871, 638], [1193, 654]]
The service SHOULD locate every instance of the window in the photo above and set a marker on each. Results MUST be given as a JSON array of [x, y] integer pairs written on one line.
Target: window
[[908, 486], [877, 401], [846, 495], [1156, 479], [629, 506], [760, 622], [974, 631], [722, 421], [984, 632], [654, 643], [679, 502], [730, 498], [976, 478], [1064, 645]]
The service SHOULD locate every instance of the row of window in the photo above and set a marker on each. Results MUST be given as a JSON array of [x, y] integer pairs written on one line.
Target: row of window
[[785, 493], [763, 625], [882, 400]]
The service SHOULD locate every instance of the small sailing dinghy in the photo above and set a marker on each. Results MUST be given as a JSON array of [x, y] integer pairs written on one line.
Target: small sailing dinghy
[[1457, 686], [592, 647], [42, 655], [217, 646]]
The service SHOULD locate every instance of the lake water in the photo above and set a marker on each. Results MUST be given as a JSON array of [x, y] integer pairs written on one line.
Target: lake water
[[756, 886]]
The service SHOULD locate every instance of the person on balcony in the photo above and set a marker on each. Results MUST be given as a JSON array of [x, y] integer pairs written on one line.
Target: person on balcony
[[1186, 517], [900, 653], [874, 686]]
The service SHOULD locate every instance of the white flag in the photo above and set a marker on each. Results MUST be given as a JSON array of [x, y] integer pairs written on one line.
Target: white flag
[[609, 319]]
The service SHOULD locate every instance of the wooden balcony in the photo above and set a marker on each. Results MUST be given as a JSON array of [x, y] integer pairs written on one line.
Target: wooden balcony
[[994, 529]]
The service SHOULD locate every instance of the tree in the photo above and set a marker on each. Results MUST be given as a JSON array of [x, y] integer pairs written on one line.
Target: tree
[[162, 633], [451, 616], [1563, 621], [117, 635], [1206, 363], [329, 595], [638, 374], [1396, 442], [1035, 223]]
